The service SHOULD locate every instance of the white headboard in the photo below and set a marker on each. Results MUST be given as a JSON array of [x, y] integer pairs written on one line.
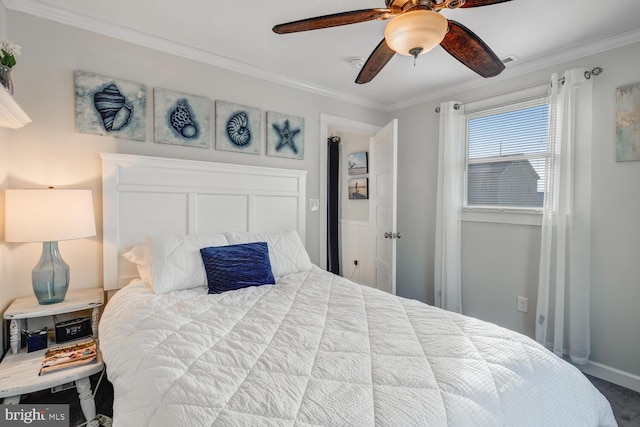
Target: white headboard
[[145, 196]]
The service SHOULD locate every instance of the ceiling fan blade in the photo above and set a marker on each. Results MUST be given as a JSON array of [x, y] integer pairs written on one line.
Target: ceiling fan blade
[[376, 62], [477, 3], [334, 20], [469, 49]]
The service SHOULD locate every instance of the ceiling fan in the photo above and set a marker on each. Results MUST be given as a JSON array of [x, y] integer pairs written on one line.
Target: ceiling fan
[[415, 28]]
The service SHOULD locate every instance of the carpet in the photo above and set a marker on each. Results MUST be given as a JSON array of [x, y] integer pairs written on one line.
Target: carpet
[[624, 402]]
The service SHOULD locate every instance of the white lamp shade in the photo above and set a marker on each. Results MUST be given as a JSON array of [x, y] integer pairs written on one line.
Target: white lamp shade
[[48, 215], [421, 28]]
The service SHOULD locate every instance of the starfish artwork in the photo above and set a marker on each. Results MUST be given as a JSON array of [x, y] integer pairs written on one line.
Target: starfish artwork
[[286, 135]]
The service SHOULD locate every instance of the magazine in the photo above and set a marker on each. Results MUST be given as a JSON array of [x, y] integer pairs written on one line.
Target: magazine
[[69, 356]]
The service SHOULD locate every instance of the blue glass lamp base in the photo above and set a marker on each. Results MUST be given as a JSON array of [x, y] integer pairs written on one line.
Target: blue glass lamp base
[[50, 276]]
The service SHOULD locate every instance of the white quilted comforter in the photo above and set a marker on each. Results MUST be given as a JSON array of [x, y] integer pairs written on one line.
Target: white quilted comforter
[[316, 349]]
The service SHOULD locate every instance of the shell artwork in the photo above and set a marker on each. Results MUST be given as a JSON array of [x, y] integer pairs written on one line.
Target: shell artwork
[[113, 108], [238, 129], [182, 122]]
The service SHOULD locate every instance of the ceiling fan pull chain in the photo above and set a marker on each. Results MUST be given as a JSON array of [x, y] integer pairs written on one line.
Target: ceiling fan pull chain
[[415, 52]]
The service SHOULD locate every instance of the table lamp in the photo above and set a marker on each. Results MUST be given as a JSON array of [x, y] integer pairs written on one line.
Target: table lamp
[[48, 216]]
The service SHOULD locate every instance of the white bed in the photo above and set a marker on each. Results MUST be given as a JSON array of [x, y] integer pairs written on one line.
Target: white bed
[[313, 349]]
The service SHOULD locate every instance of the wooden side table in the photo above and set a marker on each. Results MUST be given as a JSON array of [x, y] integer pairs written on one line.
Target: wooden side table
[[19, 369]]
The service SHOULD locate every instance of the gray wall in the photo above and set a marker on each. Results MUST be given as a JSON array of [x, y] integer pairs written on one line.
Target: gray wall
[[500, 261]]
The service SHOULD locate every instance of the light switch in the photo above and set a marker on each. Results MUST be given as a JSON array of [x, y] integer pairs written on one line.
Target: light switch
[[314, 205]]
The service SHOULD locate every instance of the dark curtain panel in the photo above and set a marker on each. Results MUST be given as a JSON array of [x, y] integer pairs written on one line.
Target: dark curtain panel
[[333, 199]]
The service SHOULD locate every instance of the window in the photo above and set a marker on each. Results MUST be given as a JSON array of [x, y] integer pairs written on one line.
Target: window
[[507, 155]]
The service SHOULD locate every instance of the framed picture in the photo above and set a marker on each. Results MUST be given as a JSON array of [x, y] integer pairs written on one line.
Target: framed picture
[[238, 128], [628, 123], [181, 119], [358, 188], [108, 106], [357, 163], [285, 136]]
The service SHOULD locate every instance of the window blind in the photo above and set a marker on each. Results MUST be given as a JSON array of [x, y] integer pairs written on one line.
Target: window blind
[[507, 155]]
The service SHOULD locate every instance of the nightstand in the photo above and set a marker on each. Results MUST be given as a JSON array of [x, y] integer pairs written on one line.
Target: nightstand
[[19, 369]]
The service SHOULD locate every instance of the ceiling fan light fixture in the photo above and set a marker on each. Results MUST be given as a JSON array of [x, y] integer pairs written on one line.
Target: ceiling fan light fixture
[[416, 32]]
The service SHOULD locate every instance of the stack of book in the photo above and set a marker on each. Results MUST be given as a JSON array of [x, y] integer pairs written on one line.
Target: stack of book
[[69, 356]]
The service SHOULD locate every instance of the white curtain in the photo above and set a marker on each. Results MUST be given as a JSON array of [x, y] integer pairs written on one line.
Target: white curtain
[[447, 280], [564, 277]]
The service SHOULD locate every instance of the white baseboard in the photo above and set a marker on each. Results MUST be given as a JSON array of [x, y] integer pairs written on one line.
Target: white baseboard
[[604, 372], [613, 375]]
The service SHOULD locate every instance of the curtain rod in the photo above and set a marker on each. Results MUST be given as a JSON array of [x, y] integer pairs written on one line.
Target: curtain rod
[[587, 74]]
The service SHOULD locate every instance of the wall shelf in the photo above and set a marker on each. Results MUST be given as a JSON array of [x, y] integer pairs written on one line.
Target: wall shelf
[[11, 115]]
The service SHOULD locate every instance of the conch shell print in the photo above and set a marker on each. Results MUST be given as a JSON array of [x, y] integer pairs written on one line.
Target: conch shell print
[[113, 108]]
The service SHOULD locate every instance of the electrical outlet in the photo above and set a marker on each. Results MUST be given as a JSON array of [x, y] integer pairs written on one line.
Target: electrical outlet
[[522, 304]]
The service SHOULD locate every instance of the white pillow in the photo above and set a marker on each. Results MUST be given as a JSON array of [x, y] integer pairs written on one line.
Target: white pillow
[[175, 261], [286, 250], [139, 255]]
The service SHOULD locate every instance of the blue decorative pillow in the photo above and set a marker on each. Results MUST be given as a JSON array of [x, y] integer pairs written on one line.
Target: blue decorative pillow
[[237, 266]]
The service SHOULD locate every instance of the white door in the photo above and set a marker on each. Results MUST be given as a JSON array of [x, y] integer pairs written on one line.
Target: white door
[[382, 182]]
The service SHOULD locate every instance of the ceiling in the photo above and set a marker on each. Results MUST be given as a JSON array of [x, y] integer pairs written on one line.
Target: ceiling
[[237, 35]]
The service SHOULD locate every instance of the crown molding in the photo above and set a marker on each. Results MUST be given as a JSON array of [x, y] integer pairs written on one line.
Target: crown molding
[[45, 11]]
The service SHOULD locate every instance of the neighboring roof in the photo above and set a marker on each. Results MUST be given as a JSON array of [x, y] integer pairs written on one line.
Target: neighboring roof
[[498, 168]]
